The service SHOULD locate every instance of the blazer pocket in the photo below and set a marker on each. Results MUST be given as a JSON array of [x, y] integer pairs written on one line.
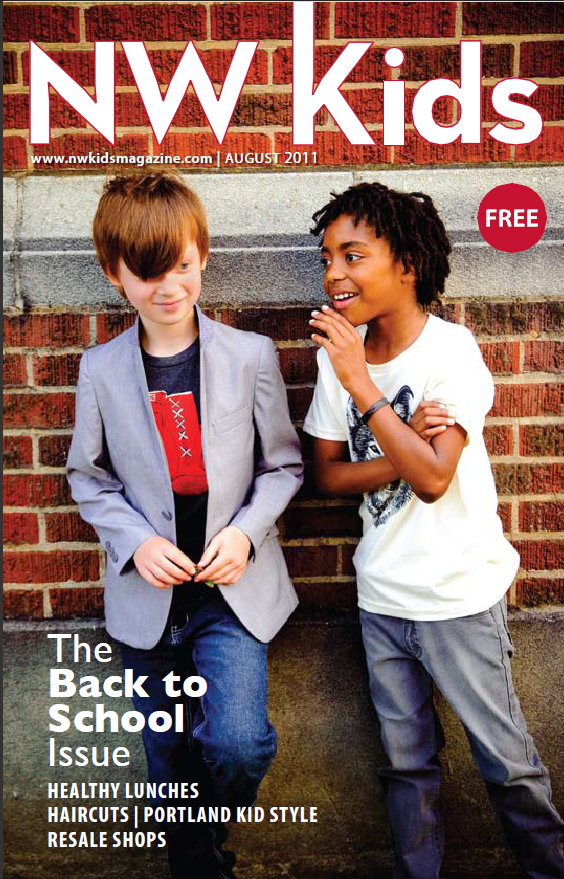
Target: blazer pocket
[[233, 419]]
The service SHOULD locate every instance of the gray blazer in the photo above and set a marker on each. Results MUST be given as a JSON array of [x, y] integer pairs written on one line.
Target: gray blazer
[[119, 475]]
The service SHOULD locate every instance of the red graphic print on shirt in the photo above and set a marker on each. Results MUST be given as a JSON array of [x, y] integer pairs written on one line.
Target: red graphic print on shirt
[[177, 421]]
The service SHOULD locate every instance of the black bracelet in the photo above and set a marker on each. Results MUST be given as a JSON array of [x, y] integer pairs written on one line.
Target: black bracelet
[[379, 404]]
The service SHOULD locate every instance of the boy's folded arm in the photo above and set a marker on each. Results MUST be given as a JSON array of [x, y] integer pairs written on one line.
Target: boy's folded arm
[[95, 488], [427, 467], [279, 467], [335, 474]]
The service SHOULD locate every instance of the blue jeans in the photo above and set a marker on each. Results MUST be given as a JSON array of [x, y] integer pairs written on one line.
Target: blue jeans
[[229, 743], [469, 660]]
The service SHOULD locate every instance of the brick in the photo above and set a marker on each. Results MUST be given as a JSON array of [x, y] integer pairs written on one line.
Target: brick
[[443, 108], [528, 478], [17, 452], [548, 147], [544, 357], [547, 100], [504, 513], [541, 516], [449, 311], [54, 449], [36, 490], [418, 151], [347, 552], [298, 365], [82, 144], [62, 115], [368, 104], [111, 324], [254, 109], [46, 330], [77, 63], [512, 18], [15, 111], [266, 109], [514, 318], [68, 527], [534, 591], [216, 63], [10, 67], [261, 21], [23, 604], [60, 370], [542, 58], [370, 68], [326, 597], [146, 21], [15, 371], [540, 555], [80, 65], [298, 402], [422, 63], [39, 410], [15, 153], [322, 522], [541, 439], [525, 400], [51, 567], [501, 358], [279, 324], [20, 528], [311, 561], [366, 21], [41, 22], [333, 148], [499, 439], [78, 601], [241, 142]]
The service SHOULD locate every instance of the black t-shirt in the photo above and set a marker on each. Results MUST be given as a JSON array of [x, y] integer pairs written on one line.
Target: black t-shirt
[[174, 389]]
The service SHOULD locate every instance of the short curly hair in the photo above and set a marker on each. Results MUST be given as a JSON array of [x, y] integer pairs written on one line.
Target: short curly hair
[[407, 220]]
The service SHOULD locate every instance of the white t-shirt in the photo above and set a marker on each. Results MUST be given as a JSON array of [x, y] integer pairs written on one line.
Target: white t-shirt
[[415, 560]]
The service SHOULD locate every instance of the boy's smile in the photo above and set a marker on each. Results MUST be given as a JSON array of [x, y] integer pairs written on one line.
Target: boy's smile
[[362, 278]]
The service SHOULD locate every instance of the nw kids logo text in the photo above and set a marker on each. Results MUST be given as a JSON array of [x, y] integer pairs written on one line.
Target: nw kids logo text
[[307, 100]]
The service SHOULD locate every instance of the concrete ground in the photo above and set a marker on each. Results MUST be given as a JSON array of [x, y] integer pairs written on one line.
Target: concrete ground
[[328, 757]]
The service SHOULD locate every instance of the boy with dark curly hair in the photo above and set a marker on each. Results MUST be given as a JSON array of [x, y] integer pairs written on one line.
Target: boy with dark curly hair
[[433, 565]]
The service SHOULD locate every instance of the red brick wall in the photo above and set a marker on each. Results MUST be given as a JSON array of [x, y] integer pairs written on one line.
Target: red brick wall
[[54, 566], [519, 39]]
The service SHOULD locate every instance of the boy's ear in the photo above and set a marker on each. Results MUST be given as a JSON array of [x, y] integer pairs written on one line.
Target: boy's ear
[[204, 263]]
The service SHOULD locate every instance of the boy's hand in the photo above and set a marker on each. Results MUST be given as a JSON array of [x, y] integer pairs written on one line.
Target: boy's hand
[[432, 418], [344, 347], [225, 558], [161, 563]]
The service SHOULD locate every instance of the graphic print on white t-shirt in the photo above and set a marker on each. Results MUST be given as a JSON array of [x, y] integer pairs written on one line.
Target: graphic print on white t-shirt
[[389, 499]]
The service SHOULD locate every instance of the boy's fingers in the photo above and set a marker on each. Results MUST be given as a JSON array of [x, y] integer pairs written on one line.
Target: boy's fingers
[[172, 569], [181, 560]]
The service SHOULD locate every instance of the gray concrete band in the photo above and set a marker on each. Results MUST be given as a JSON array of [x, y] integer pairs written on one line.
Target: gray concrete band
[[262, 252]]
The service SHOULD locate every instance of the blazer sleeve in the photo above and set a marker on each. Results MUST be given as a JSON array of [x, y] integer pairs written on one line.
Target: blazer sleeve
[[95, 487], [278, 466]]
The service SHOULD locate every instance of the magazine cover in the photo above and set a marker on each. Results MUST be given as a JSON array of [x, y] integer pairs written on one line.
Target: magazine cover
[[269, 112]]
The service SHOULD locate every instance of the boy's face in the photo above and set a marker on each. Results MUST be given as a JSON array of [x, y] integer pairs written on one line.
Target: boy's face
[[362, 278], [169, 299]]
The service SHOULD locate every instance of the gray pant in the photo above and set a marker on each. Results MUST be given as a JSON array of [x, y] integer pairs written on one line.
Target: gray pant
[[469, 660]]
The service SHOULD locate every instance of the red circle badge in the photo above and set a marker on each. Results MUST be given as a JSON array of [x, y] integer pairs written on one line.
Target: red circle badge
[[512, 217]]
